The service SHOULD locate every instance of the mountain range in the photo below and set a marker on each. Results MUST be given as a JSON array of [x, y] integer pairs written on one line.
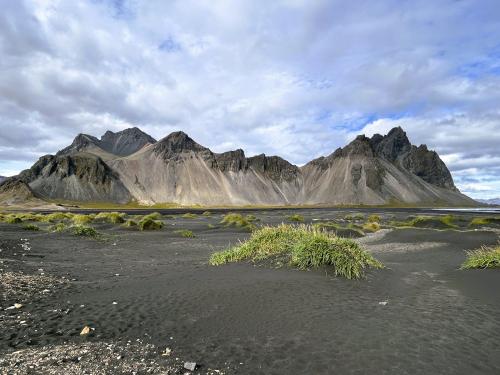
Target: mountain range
[[491, 201], [131, 166]]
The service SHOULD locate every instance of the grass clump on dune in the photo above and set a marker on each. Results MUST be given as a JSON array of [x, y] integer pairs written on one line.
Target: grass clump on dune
[[59, 227], [206, 213], [152, 216], [239, 221], [111, 217], [478, 221], [80, 219], [302, 247], [296, 218], [57, 216], [189, 216], [433, 222], [149, 224], [31, 227], [13, 219], [373, 219], [185, 233], [130, 224], [485, 257], [84, 231], [354, 217], [371, 227], [350, 231]]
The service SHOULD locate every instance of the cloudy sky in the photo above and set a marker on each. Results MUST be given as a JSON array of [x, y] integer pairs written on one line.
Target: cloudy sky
[[296, 78]]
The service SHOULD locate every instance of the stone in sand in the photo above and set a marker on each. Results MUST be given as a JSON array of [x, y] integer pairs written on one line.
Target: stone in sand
[[85, 331], [191, 366]]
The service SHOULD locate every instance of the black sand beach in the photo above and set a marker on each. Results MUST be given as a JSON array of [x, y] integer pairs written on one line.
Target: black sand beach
[[144, 292]]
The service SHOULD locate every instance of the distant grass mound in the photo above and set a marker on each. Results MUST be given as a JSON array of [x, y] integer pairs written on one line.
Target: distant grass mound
[[296, 218], [432, 222], [189, 216], [79, 219], [481, 221], [373, 219], [206, 213], [84, 231], [130, 224], [111, 217], [185, 233], [59, 227], [371, 226], [485, 257], [149, 224], [153, 216], [349, 231], [239, 221], [57, 216], [13, 219], [31, 227], [354, 217], [301, 247]]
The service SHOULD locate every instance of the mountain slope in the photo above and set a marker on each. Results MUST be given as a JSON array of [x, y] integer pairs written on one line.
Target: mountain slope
[[130, 165]]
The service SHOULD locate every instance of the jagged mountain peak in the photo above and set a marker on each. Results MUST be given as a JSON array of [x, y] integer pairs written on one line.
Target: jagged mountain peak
[[177, 142], [125, 142]]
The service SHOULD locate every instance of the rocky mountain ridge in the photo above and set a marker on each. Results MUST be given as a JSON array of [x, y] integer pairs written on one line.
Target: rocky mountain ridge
[[132, 166]]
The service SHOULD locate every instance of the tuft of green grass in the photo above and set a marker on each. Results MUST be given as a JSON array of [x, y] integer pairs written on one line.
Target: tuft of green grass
[[130, 223], [436, 222], [296, 218], [206, 213], [13, 219], [302, 247], [111, 217], [150, 224], [153, 216], [211, 226], [355, 217], [57, 216], [485, 257], [350, 230], [84, 231], [488, 220], [371, 226], [80, 219], [239, 221], [373, 219], [189, 215], [32, 227], [185, 233], [59, 227]]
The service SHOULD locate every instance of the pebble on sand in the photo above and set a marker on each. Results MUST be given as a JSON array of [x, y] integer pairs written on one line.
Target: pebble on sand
[[191, 366], [85, 331]]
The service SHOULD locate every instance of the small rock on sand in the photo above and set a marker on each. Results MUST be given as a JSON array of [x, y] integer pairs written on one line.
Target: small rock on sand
[[191, 366], [85, 331]]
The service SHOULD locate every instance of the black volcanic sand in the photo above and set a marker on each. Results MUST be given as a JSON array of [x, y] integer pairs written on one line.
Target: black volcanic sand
[[243, 319]]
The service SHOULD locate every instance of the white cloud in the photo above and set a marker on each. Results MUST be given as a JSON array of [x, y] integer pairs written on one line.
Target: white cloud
[[291, 77]]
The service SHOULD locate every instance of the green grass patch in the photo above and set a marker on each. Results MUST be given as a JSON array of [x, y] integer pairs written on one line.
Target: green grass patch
[[150, 224], [84, 231], [301, 247], [80, 219], [13, 219], [111, 217], [31, 227], [185, 233], [206, 213], [130, 223], [59, 227], [354, 217], [373, 219], [481, 221], [371, 227], [57, 216], [296, 218], [153, 216], [349, 231], [189, 215], [239, 221], [485, 257], [432, 222], [211, 226]]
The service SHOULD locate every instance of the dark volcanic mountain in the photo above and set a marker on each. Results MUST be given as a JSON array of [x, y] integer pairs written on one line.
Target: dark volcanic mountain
[[130, 165]]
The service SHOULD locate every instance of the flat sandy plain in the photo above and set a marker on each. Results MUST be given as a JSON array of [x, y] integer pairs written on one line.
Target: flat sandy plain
[[144, 292]]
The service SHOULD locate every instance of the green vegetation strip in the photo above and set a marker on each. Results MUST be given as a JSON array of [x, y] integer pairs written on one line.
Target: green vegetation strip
[[301, 247], [485, 257]]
